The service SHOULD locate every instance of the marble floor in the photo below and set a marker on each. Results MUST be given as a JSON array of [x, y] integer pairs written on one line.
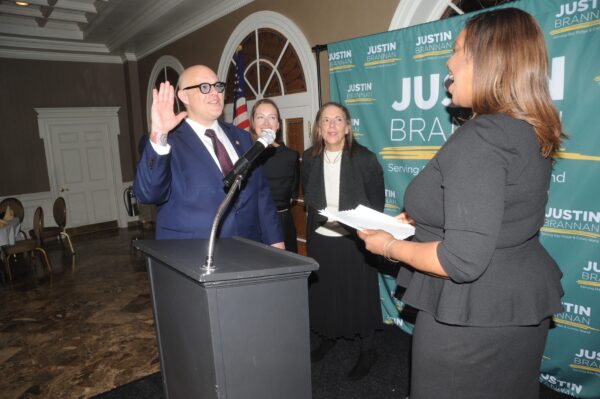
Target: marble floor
[[77, 333]]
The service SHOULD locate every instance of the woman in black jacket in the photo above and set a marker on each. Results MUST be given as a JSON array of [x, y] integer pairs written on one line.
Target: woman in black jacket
[[280, 165], [340, 174]]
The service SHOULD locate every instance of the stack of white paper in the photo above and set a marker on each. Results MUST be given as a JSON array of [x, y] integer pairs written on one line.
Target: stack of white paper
[[364, 218]]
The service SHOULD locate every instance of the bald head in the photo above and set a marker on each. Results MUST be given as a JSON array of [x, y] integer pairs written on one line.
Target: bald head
[[195, 71], [201, 108]]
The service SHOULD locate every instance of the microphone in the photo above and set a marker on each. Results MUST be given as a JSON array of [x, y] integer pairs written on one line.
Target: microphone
[[243, 164]]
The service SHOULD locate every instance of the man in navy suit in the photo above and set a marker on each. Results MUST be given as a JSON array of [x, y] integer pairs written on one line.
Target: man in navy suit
[[181, 170]]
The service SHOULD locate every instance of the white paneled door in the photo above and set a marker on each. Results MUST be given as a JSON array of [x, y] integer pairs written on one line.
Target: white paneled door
[[83, 161]]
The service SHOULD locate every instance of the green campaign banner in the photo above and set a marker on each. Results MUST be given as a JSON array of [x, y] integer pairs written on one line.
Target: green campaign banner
[[393, 85]]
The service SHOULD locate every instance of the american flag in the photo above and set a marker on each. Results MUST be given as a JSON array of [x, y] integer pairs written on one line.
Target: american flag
[[240, 110]]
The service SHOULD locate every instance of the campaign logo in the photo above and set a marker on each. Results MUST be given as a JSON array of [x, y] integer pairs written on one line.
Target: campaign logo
[[559, 177], [359, 93], [586, 361], [577, 156], [590, 276], [402, 168], [572, 224], [408, 153], [434, 45], [557, 78], [561, 386], [413, 90], [420, 137], [355, 123], [390, 201], [382, 54], [340, 61], [575, 317], [576, 16]]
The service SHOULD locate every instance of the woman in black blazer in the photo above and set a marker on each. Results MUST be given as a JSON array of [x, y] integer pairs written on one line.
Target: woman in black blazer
[[484, 285], [340, 174], [280, 165]]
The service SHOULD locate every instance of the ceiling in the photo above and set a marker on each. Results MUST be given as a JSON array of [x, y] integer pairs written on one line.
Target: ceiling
[[101, 30]]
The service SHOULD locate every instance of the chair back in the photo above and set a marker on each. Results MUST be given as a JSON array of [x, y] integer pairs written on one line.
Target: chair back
[[38, 224], [15, 205], [59, 211]]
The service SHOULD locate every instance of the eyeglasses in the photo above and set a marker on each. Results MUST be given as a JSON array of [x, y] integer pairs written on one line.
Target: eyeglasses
[[205, 87]]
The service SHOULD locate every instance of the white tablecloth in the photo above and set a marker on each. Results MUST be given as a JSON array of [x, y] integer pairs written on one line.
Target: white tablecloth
[[8, 232]]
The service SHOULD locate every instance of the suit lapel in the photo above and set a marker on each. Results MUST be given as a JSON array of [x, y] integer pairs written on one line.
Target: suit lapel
[[315, 194], [197, 147]]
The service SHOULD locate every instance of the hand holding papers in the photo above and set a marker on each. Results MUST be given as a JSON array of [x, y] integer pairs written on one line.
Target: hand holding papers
[[364, 218]]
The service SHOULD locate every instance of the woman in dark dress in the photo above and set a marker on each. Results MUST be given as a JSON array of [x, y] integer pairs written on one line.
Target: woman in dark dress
[[339, 174], [484, 285], [280, 165]]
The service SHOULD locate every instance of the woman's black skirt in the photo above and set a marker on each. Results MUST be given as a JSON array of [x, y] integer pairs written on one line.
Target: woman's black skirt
[[344, 292], [451, 362]]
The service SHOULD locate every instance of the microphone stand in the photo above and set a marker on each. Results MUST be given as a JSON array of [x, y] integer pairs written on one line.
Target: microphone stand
[[209, 263]]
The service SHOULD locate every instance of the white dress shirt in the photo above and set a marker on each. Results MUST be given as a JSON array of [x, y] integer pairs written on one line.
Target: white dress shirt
[[199, 130]]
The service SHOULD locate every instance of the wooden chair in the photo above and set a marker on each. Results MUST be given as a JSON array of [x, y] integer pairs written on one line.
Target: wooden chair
[[30, 246], [59, 210], [17, 208]]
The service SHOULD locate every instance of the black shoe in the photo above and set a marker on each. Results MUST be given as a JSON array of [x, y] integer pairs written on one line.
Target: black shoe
[[320, 351], [363, 365]]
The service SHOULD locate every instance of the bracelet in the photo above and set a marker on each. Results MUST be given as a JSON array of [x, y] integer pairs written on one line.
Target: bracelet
[[386, 249]]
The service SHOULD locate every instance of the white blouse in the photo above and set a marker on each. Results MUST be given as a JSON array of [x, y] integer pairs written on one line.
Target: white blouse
[[332, 161]]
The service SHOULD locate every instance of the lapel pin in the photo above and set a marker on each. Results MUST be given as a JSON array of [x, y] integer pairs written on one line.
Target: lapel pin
[[237, 142]]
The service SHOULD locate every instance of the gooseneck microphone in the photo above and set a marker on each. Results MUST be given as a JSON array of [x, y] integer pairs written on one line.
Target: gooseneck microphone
[[243, 164], [234, 179]]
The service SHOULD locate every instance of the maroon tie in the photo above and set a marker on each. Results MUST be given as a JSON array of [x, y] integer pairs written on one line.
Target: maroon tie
[[220, 151]]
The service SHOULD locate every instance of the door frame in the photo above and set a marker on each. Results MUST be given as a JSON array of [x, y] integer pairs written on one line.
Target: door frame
[[48, 117]]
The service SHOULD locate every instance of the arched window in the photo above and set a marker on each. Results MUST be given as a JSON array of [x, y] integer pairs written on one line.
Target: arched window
[[167, 68], [272, 67], [411, 13], [278, 64]]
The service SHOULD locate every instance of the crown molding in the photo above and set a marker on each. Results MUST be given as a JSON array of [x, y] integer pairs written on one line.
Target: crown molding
[[140, 22], [129, 57], [196, 22], [53, 29], [55, 50], [54, 45], [77, 112], [66, 45], [55, 56]]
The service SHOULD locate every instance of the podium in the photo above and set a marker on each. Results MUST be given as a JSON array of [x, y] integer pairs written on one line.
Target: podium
[[240, 331]]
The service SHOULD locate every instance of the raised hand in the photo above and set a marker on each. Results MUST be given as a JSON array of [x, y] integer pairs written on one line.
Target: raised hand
[[163, 118]]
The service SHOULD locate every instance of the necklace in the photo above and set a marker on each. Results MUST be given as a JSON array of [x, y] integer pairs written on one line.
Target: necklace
[[335, 159]]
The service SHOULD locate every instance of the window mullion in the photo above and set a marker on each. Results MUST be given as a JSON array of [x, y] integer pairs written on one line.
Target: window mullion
[[258, 85], [276, 66]]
